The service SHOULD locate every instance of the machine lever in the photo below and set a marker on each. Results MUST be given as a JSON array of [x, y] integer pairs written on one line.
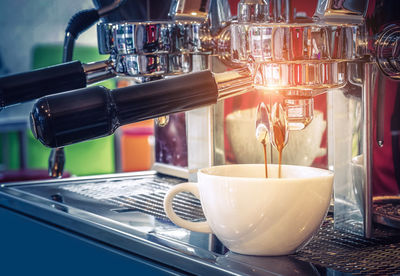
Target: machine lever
[[23, 87]]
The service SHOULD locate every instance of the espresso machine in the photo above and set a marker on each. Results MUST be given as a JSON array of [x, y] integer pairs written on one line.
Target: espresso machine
[[264, 48], [348, 53]]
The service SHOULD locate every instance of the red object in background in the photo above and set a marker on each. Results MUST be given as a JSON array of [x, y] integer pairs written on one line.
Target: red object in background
[[306, 6], [383, 173], [233, 4], [26, 175], [297, 43]]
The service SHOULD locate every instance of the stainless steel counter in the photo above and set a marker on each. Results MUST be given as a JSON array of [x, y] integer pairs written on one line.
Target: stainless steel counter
[[125, 211]]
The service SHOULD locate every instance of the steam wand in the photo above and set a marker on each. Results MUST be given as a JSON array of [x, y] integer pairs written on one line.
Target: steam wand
[[77, 24], [27, 86]]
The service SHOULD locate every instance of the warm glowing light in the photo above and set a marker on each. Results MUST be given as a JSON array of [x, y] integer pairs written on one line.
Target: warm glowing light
[[194, 13]]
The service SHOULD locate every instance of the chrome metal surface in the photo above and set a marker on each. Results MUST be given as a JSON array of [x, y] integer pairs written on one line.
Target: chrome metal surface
[[155, 48], [200, 135], [233, 82], [346, 118], [366, 178], [98, 71], [308, 57], [277, 10], [289, 11], [104, 43], [345, 10], [253, 11], [352, 138], [386, 210], [300, 60], [93, 213], [200, 140], [214, 13], [348, 211], [177, 171], [190, 10], [335, 52], [125, 211], [158, 37], [388, 51], [142, 195], [296, 42], [219, 16], [352, 254], [56, 162]]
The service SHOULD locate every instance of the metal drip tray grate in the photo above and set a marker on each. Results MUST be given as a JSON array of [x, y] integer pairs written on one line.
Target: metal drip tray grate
[[145, 195], [386, 210], [329, 248], [351, 253]]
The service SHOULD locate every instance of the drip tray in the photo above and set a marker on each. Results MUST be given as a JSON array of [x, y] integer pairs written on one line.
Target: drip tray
[[386, 210], [138, 202], [135, 201], [144, 195], [351, 253]]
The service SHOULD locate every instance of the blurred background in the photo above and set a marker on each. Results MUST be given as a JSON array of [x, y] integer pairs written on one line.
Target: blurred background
[[32, 36]]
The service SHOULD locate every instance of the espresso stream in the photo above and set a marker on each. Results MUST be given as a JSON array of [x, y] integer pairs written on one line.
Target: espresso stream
[[278, 134], [264, 143], [263, 130], [279, 139]]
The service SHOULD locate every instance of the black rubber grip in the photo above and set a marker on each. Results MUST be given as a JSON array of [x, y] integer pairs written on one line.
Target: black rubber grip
[[23, 87], [93, 112], [72, 117], [161, 97]]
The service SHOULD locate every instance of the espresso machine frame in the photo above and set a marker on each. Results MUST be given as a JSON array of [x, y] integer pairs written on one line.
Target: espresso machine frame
[[122, 211], [369, 60]]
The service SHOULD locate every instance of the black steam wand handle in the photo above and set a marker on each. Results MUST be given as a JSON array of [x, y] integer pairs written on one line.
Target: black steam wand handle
[[93, 112], [23, 87]]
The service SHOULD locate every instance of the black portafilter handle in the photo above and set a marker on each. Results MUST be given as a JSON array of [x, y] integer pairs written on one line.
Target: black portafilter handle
[[23, 87], [93, 112]]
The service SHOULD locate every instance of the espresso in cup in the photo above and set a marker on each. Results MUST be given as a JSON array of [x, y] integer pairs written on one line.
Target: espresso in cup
[[254, 215]]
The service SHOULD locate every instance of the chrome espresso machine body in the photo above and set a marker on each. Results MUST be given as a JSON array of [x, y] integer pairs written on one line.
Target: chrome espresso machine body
[[347, 53]]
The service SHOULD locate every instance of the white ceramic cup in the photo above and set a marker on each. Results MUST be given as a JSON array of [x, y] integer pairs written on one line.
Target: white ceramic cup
[[254, 215]]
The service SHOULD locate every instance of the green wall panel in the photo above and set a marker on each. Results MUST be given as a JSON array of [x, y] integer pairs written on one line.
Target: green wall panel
[[10, 141], [87, 158]]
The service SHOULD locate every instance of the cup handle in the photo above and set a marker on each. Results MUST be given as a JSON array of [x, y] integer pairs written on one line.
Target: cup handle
[[192, 226]]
